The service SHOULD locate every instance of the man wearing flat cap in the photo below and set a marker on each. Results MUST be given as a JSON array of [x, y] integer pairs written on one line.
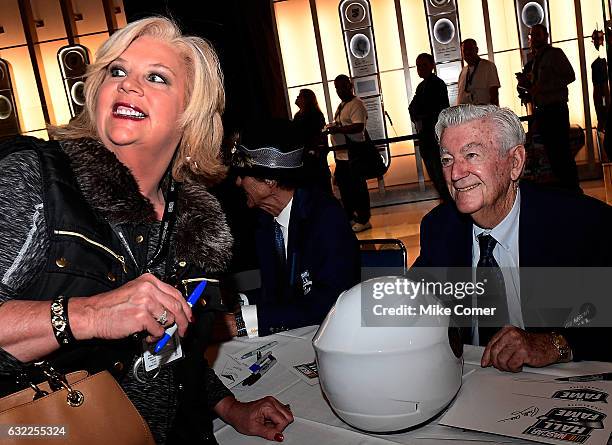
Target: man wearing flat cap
[[305, 247]]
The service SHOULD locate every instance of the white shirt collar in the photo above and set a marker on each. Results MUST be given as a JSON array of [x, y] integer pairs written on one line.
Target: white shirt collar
[[285, 214], [506, 231]]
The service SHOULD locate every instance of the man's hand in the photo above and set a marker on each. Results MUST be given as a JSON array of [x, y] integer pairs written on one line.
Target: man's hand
[[333, 129], [534, 90], [265, 417], [224, 327], [511, 348]]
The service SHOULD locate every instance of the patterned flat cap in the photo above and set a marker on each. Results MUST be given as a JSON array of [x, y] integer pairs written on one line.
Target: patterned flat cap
[[268, 157], [271, 153]]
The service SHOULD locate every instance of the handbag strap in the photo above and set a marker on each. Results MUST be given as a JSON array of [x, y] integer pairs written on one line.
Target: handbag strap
[[27, 374]]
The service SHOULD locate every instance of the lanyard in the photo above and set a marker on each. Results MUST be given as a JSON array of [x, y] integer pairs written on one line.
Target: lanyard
[[167, 223], [163, 242], [470, 77], [339, 110]]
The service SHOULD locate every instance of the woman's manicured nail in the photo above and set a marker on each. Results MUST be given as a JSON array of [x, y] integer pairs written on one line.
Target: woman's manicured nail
[[279, 437]]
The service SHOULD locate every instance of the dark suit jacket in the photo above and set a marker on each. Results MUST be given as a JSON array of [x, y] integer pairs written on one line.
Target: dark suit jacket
[[322, 261], [556, 229]]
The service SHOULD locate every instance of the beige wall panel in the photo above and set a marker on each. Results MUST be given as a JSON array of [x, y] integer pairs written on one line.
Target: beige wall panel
[[10, 20], [92, 43], [24, 86], [504, 34], [297, 42], [331, 38], [471, 23], [415, 29], [397, 107], [396, 102], [50, 12], [562, 19], [120, 17], [386, 36], [507, 64], [592, 17], [93, 16], [59, 111]]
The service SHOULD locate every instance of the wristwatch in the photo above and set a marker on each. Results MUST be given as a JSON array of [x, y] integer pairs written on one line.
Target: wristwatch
[[563, 348], [240, 326]]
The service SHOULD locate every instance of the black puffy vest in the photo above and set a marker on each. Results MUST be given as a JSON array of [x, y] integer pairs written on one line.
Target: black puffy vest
[[86, 258], [83, 259]]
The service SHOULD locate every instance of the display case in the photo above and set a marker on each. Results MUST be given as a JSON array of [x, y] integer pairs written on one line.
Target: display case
[[45, 46], [406, 28]]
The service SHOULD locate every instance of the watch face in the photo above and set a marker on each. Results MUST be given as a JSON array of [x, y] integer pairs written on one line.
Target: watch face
[[561, 345]]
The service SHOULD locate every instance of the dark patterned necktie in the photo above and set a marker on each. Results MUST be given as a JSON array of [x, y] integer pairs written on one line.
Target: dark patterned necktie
[[489, 273], [279, 244]]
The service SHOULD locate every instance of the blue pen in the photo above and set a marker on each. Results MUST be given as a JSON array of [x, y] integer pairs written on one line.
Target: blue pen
[[193, 299]]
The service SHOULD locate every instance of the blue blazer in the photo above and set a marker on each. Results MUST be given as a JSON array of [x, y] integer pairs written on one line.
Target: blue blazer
[[322, 262], [556, 229]]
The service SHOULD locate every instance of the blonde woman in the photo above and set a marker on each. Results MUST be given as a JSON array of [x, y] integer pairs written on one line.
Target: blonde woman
[[112, 227]]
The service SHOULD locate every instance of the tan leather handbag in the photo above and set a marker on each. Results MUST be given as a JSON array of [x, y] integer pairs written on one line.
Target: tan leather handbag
[[83, 409]]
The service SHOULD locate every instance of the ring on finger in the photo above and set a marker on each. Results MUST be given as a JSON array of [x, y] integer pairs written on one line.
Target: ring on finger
[[163, 318]]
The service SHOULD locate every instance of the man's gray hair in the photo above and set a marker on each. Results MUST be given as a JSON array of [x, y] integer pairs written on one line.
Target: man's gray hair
[[508, 127]]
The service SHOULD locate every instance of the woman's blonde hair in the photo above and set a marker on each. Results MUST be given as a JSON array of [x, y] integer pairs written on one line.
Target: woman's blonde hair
[[198, 151]]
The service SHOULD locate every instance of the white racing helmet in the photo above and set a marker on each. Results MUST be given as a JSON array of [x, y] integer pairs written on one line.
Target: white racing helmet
[[385, 379]]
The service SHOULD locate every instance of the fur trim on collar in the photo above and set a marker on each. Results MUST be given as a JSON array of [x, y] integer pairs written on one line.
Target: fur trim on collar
[[201, 231]]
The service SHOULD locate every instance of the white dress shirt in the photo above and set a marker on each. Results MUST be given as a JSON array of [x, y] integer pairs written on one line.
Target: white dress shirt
[[249, 312], [506, 253]]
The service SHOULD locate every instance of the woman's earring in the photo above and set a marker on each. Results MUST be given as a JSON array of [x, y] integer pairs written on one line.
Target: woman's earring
[[188, 159]]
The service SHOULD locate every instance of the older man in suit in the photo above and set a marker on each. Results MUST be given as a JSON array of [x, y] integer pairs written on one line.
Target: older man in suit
[[499, 222], [305, 247]]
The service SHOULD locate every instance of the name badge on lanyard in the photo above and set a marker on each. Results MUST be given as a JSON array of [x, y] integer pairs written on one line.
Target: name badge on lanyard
[[171, 352]]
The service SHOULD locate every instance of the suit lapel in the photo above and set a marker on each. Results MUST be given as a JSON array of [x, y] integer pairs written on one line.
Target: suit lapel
[[530, 251], [465, 244]]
